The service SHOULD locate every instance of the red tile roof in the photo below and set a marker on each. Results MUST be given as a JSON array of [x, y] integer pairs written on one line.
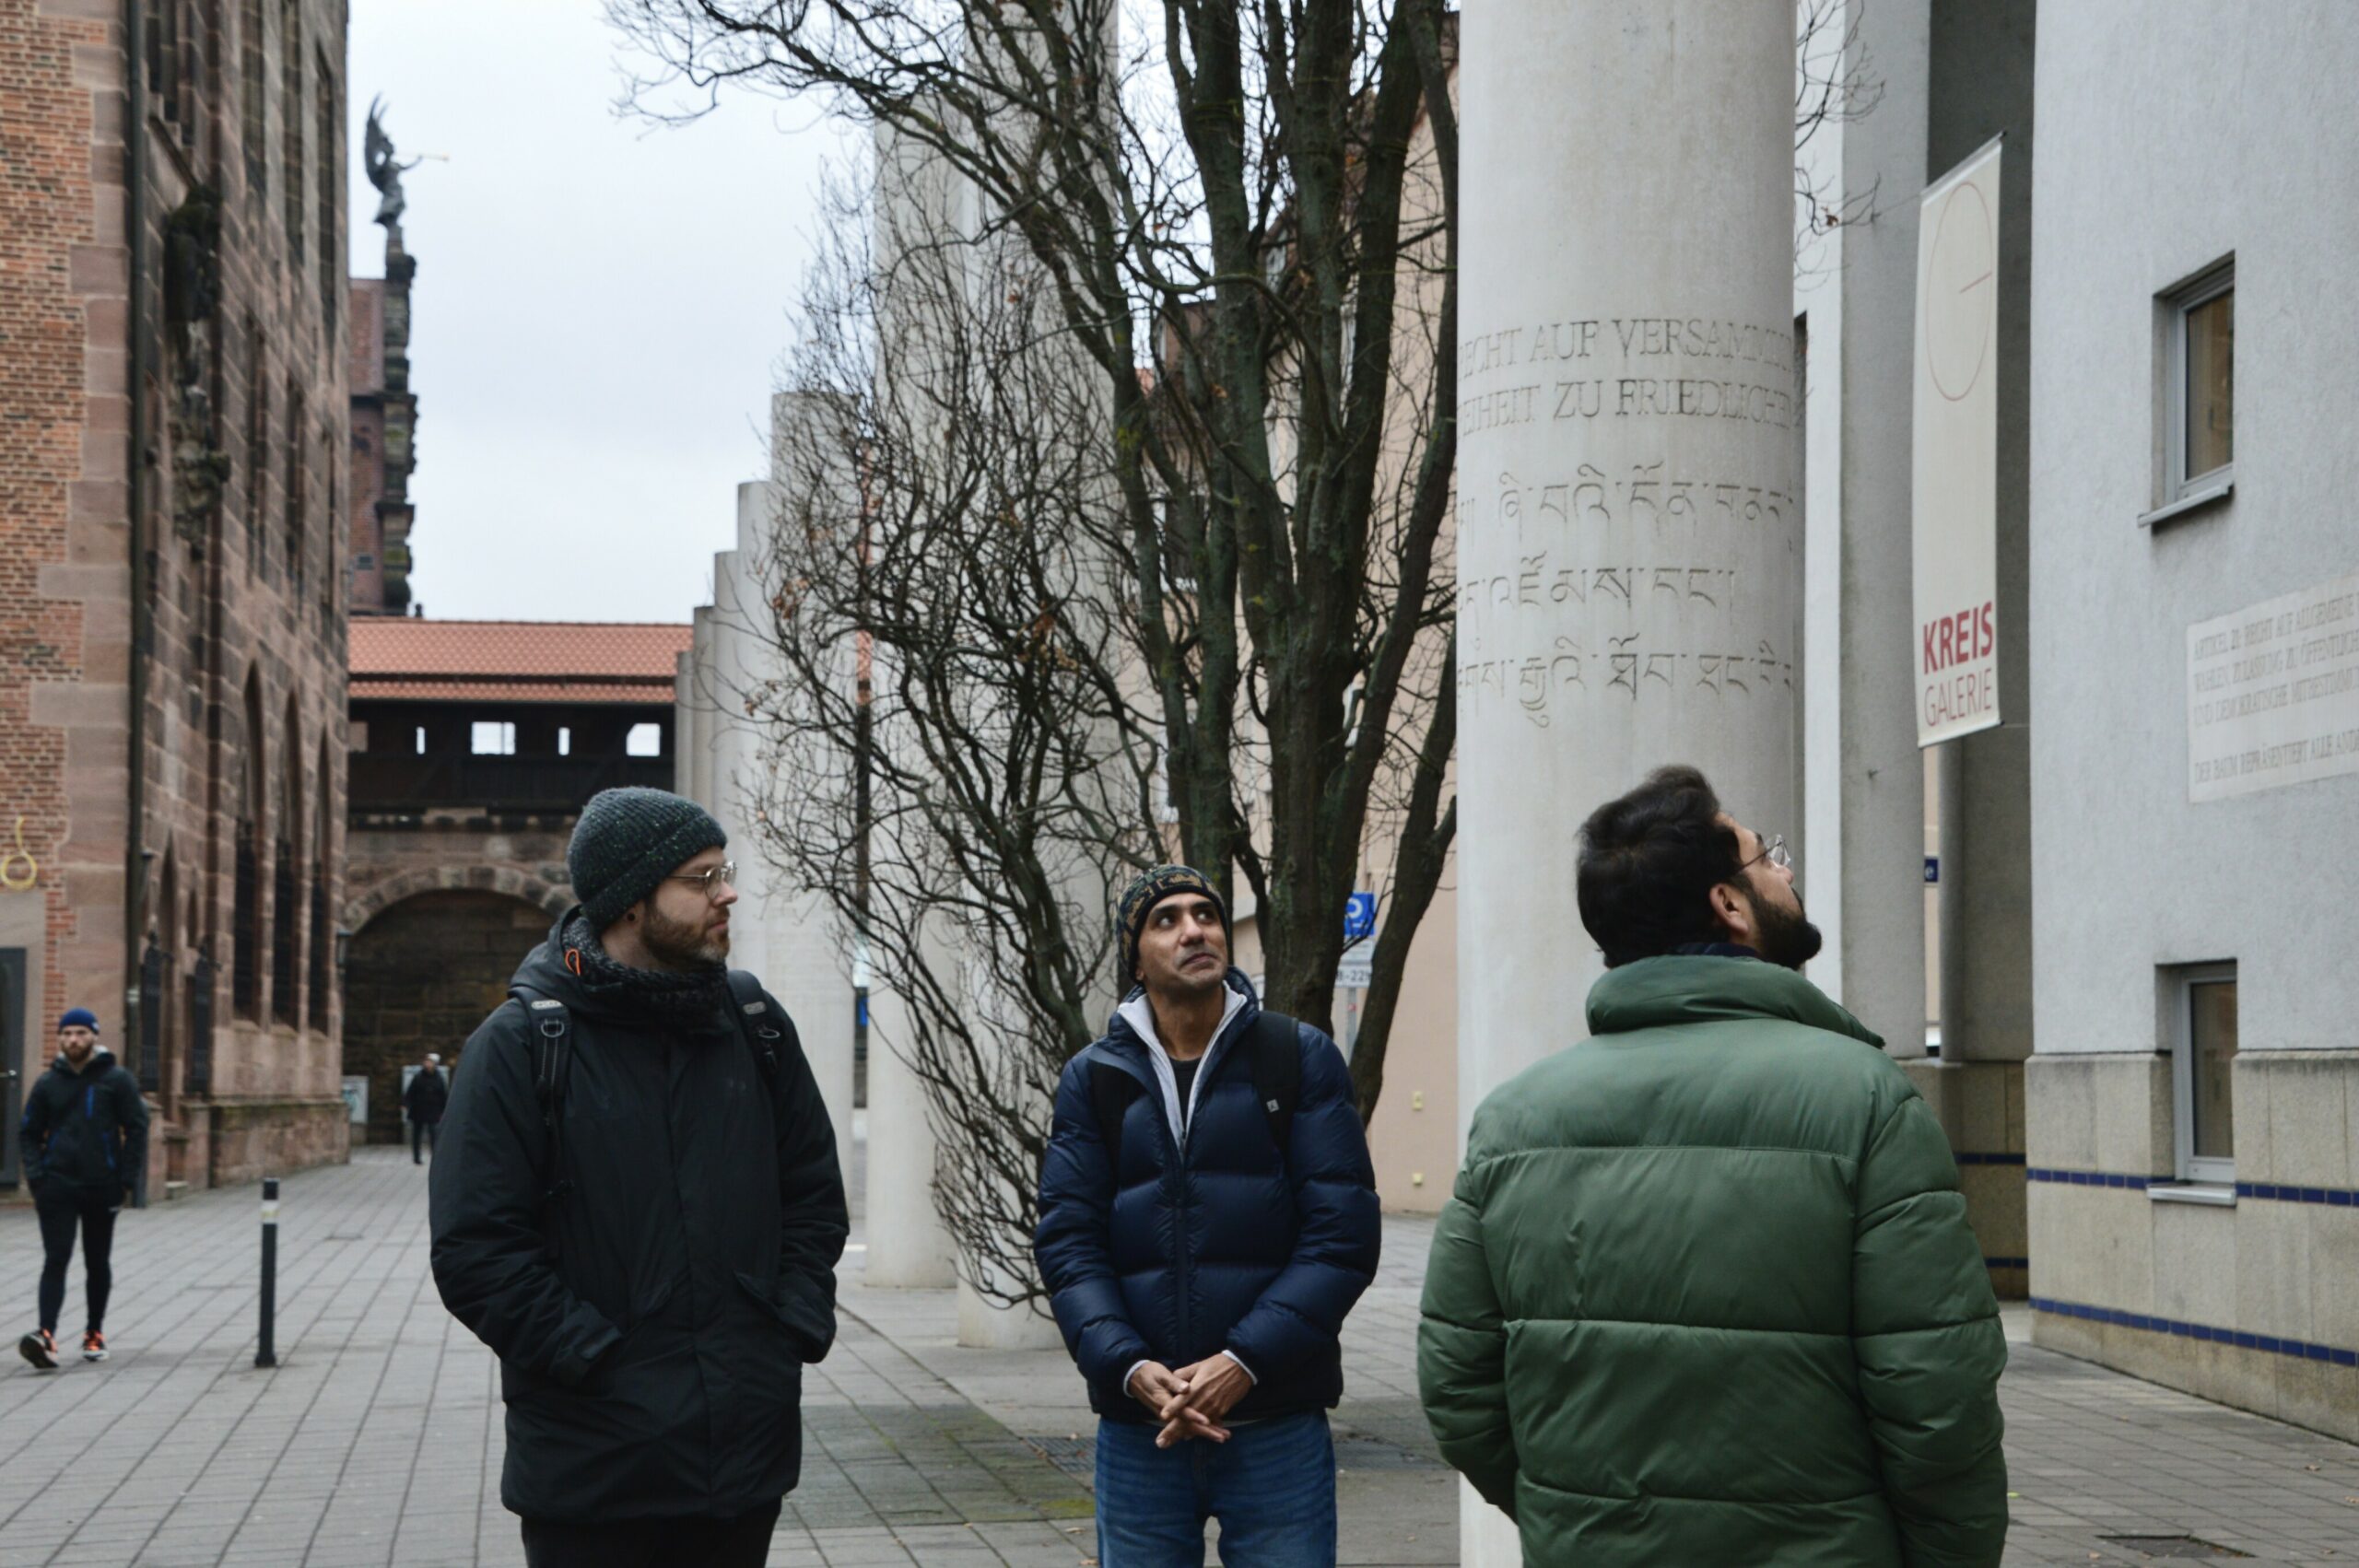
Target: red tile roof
[[397, 659]]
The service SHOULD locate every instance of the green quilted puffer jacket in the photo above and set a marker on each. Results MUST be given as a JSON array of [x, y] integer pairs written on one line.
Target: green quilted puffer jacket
[[1706, 1297]]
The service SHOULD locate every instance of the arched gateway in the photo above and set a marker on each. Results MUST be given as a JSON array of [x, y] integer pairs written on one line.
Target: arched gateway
[[475, 744], [420, 978]]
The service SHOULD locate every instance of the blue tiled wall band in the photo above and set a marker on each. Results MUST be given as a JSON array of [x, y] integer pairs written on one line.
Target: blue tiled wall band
[[2092, 1179], [2300, 1349], [2278, 1192], [2333, 1196]]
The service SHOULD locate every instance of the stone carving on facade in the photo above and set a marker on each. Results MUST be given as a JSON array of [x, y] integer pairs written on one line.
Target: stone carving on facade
[[200, 469]]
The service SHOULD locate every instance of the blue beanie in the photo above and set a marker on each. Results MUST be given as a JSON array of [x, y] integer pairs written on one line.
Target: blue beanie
[[82, 1015], [627, 842]]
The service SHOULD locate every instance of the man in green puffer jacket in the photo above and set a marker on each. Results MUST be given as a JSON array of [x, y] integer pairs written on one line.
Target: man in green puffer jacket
[[1705, 1296]]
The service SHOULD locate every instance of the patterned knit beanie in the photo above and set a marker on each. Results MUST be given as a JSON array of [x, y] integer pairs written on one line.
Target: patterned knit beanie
[[627, 842], [1151, 889]]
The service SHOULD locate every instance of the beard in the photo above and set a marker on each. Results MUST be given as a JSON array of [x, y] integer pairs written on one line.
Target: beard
[[682, 944], [1784, 936]]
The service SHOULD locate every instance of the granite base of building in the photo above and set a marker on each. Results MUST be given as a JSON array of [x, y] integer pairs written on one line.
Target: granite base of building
[[247, 1140], [1980, 1105], [2242, 1291]]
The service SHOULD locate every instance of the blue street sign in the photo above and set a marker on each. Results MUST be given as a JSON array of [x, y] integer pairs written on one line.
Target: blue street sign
[[1360, 916], [1933, 868]]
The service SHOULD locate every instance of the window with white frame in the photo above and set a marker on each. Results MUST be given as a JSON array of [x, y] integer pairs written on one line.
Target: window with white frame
[[492, 737], [2200, 396], [2202, 997]]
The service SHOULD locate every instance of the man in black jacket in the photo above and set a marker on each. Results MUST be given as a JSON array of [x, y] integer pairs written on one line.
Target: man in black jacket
[[428, 1094], [85, 1142], [641, 1211]]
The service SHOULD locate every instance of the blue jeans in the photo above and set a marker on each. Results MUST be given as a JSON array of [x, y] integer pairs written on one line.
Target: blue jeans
[[1271, 1486]]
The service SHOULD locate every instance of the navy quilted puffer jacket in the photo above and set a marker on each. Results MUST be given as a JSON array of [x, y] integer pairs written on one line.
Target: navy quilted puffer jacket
[[1178, 1247]]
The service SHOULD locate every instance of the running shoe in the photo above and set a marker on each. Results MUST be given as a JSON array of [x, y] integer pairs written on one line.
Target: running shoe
[[94, 1346], [39, 1347]]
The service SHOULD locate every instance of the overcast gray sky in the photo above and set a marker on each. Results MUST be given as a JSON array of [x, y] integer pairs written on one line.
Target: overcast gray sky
[[598, 312]]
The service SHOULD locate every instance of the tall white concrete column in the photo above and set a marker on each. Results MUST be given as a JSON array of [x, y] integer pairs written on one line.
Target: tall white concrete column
[[793, 940], [688, 713], [1856, 286], [907, 1245], [1629, 536], [939, 261], [778, 933], [692, 761]]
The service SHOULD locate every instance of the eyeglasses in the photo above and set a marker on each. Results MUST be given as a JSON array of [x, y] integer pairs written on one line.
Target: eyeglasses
[[1775, 853], [709, 880]]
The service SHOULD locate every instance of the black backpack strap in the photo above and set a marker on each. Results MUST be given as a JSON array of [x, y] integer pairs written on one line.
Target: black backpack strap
[[552, 1043], [761, 1025], [1276, 1044], [1110, 1093]]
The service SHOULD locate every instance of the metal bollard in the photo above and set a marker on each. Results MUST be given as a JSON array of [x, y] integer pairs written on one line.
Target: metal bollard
[[266, 1353]]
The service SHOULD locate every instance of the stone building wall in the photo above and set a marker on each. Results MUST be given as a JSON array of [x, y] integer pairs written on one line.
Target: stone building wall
[[366, 542], [389, 864], [206, 332], [62, 466], [384, 422]]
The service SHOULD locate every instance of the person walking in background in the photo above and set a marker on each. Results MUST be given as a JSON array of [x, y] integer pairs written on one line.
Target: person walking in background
[[85, 1145], [1705, 1292], [428, 1094], [641, 1211], [1207, 1217]]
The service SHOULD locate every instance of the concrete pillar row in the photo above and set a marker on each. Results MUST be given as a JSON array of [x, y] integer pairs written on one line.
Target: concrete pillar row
[[907, 1247], [784, 937], [1629, 514]]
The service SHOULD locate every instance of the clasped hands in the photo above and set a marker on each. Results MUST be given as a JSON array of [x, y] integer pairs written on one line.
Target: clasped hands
[[1190, 1401]]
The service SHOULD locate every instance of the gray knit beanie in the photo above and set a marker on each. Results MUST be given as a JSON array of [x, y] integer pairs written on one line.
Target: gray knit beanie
[[627, 842]]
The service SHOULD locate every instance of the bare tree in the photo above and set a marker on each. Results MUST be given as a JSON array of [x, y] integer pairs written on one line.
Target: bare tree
[[1220, 221], [1117, 490], [1162, 524], [1835, 84], [954, 750]]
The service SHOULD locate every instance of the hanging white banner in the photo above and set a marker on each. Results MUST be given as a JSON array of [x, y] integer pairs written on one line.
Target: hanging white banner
[[1954, 495]]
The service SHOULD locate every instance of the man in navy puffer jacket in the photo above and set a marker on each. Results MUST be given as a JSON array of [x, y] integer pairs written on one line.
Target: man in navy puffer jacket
[[1208, 1217]]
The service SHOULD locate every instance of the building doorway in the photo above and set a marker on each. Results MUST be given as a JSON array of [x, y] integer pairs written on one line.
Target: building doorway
[[16, 1072], [418, 979]]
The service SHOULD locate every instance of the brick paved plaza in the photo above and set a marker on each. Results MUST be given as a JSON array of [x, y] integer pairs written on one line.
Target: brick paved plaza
[[377, 1439]]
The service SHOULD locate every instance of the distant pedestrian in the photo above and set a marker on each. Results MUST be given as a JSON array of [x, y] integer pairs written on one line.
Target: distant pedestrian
[[84, 1144], [1208, 1217], [641, 1211], [428, 1093], [1706, 1291]]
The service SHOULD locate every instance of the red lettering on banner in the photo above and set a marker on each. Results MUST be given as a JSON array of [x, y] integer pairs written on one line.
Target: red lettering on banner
[[1954, 640]]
